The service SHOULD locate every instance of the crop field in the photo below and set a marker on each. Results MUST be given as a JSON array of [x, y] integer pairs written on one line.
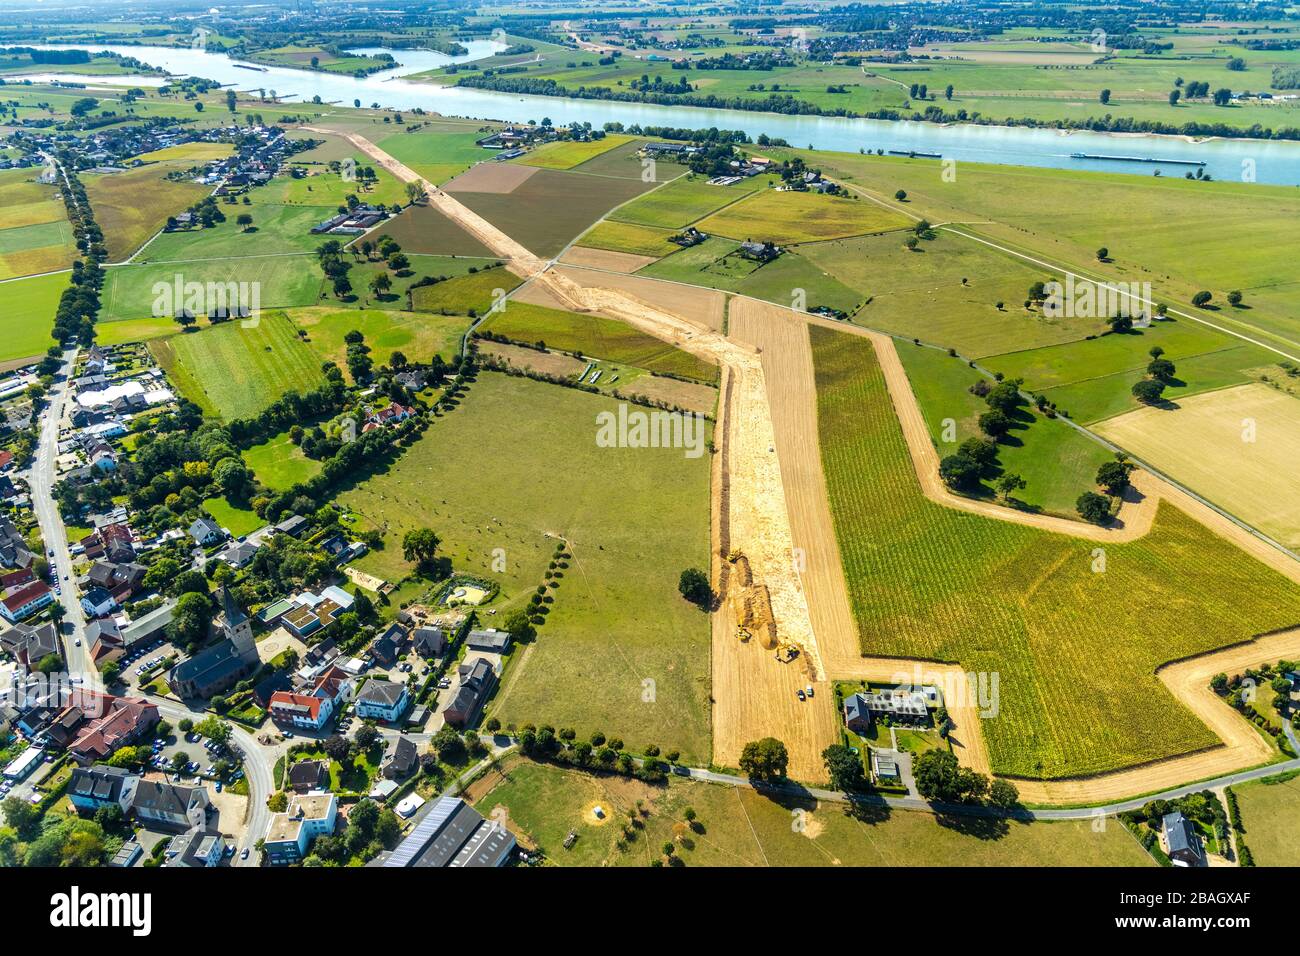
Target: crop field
[[466, 294], [626, 237], [551, 208], [234, 372], [275, 230], [624, 163], [1269, 809], [437, 157], [1057, 462], [131, 206], [423, 230], [714, 263], [25, 202], [569, 154], [279, 463], [1180, 236], [35, 236], [791, 217], [687, 200], [1234, 446], [1075, 650], [194, 153], [418, 336], [594, 335], [282, 281], [28, 315], [739, 827], [633, 519]]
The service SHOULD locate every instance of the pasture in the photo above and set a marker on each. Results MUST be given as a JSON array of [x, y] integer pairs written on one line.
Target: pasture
[[131, 206], [633, 517], [596, 336], [1075, 650], [279, 463], [324, 187], [235, 372], [437, 156], [1234, 446], [275, 230], [1269, 809], [465, 294], [740, 827], [686, 200], [282, 281], [792, 217], [419, 336], [1057, 462], [626, 237]]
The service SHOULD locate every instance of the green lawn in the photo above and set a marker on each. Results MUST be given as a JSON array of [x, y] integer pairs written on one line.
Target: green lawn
[[634, 519], [275, 230], [238, 521], [235, 372], [281, 281], [1269, 810], [417, 335], [279, 463], [739, 827], [566, 155], [594, 335], [437, 156], [465, 294], [1075, 650], [28, 315], [686, 200]]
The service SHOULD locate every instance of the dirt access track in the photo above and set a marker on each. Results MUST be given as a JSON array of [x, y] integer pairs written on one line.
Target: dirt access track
[[770, 504]]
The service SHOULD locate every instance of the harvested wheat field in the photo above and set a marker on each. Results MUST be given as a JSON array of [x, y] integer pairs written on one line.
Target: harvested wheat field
[[605, 259], [1237, 447], [548, 363], [501, 178], [688, 395], [704, 306]]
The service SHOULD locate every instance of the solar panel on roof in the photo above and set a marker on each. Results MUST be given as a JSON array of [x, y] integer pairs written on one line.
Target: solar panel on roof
[[424, 831]]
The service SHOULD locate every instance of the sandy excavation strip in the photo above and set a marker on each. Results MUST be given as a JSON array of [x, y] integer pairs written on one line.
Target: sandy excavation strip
[[753, 693]]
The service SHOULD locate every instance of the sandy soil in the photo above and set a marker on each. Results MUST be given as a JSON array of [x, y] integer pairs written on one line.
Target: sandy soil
[[702, 305], [689, 395], [550, 363], [605, 259]]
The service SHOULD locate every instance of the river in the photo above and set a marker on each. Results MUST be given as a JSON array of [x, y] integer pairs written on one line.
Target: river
[[1233, 159]]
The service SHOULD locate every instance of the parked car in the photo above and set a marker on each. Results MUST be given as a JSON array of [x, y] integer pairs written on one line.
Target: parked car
[[802, 695]]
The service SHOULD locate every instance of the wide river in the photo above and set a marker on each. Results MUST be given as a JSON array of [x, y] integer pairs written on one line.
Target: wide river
[[1235, 159]]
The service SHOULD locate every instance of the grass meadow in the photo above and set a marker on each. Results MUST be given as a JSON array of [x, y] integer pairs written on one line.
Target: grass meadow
[[465, 294], [686, 200], [1075, 651], [628, 237], [634, 518], [437, 156], [28, 315], [279, 463], [418, 336], [1269, 809], [738, 826], [234, 372], [792, 217], [131, 206], [566, 155]]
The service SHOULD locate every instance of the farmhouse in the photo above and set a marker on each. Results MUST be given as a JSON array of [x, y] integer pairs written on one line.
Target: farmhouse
[[1180, 841]]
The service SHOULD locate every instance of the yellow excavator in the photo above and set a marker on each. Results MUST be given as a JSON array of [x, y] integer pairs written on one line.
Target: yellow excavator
[[786, 652]]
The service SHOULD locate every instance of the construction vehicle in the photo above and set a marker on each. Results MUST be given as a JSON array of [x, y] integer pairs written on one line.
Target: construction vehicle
[[786, 652], [743, 635]]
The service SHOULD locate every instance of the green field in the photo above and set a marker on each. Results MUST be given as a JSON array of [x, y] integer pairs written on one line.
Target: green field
[[28, 316], [35, 236], [275, 230], [789, 217], [465, 294], [596, 336], [626, 237], [279, 463], [740, 827], [235, 372], [1075, 650], [282, 281], [633, 518], [686, 200], [1057, 462], [1269, 810], [238, 521], [323, 187], [439, 156], [418, 336]]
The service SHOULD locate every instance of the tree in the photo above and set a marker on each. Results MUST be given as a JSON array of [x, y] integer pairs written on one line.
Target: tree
[[959, 471], [449, 745], [519, 626], [380, 283], [21, 815], [979, 450], [1103, 254], [1222, 96], [1234, 298], [420, 547], [1174, 97], [336, 747], [1105, 97], [366, 736], [1009, 483], [1093, 507], [244, 221], [844, 767], [901, 195], [1161, 368], [415, 192], [765, 759], [1148, 391], [939, 777], [1003, 793], [994, 423], [1202, 299], [947, 92], [1113, 476], [694, 586]]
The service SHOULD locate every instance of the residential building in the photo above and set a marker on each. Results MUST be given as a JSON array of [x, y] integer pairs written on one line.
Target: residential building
[[170, 806], [306, 776], [206, 532], [22, 602], [199, 846], [401, 759], [1181, 842], [390, 645], [30, 645], [93, 787], [116, 722], [382, 700], [477, 681], [290, 835], [429, 641], [491, 641], [97, 602]]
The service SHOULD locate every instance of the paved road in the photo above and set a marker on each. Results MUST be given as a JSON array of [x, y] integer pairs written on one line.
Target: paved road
[[41, 477]]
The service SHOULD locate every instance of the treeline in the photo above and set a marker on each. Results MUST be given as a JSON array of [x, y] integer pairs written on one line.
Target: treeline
[[685, 134], [74, 319], [292, 408]]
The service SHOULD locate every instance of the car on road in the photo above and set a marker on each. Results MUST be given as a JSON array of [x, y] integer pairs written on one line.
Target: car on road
[[78, 642], [244, 855]]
